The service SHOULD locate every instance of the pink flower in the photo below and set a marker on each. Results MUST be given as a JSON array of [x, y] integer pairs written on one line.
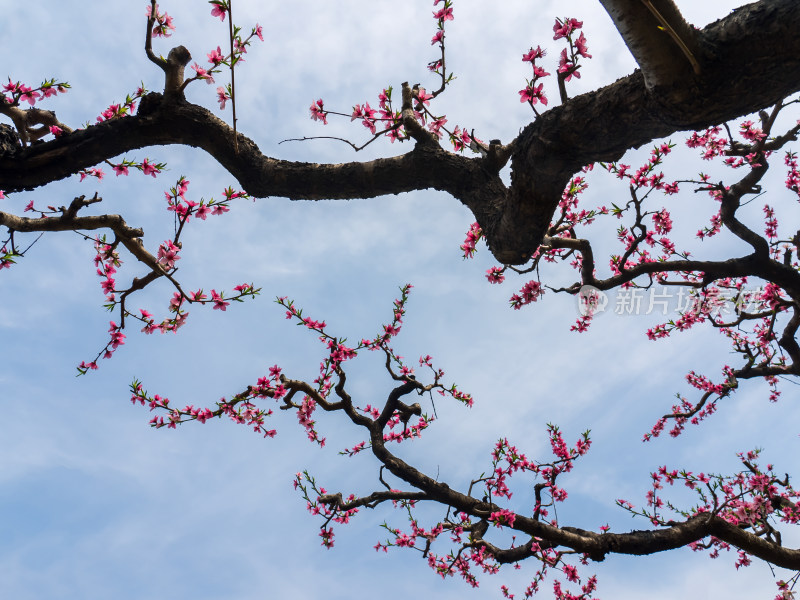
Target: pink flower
[[436, 125], [532, 54], [565, 28], [202, 212], [317, 112], [149, 169], [120, 169], [218, 301], [259, 32], [502, 517], [168, 254], [117, 337], [571, 573], [203, 74], [438, 37], [215, 56], [495, 275], [183, 185], [444, 14], [219, 10], [564, 66], [424, 97], [533, 94], [93, 172], [27, 94], [580, 45]]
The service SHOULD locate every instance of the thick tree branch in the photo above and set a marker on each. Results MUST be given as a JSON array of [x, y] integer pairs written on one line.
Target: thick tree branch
[[596, 545], [666, 48], [749, 60]]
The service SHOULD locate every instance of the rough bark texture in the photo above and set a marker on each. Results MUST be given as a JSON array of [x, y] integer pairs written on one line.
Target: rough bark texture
[[748, 60]]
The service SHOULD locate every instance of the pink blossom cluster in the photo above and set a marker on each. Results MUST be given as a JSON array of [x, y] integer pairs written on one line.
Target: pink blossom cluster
[[160, 22], [7, 257], [568, 64], [530, 292], [568, 61], [474, 235], [533, 93], [122, 109], [793, 177], [19, 92], [709, 140]]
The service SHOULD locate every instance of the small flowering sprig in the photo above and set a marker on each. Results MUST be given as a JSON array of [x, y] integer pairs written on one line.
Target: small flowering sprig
[[319, 502], [383, 121], [117, 340], [793, 176], [7, 257], [160, 23], [16, 92], [532, 93], [92, 172], [106, 261], [438, 66], [752, 499], [125, 108], [474, 235], [145, 166], [237, 48], [389, 122], [122, 168], [568, 61], [239, 409], [185, 209]]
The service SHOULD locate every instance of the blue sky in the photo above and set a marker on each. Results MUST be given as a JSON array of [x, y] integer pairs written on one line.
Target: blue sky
[[96, 504]]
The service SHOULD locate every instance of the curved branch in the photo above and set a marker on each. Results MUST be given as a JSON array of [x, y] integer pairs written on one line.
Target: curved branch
[[596, 545]]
